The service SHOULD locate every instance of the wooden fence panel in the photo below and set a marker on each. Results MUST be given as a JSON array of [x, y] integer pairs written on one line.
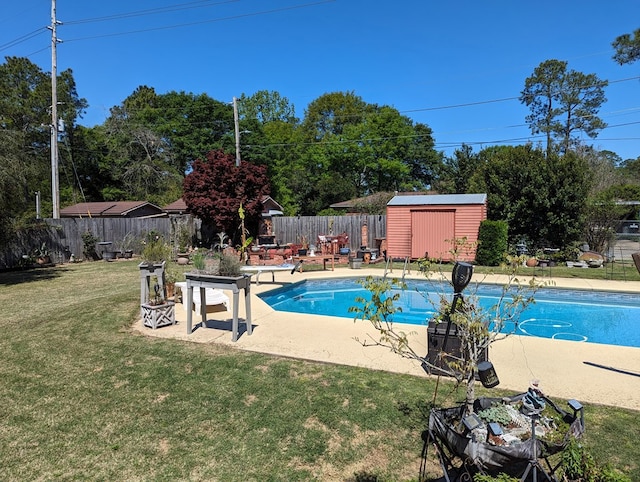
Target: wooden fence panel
[[113, 230], [64, 236], [292, 229]]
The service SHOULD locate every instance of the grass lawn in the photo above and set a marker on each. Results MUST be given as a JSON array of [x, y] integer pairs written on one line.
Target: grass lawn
[[84, 397]]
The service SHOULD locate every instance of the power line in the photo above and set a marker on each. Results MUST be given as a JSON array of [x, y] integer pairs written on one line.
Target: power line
[[152, 11], [200, 22], [23, 38]]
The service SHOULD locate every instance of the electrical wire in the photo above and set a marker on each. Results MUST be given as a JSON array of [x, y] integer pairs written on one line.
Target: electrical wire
[[22, 39], [201, 22], [151, 11]]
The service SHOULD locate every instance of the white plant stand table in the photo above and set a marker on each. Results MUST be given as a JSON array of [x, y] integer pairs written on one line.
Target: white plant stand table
[[233, 284]]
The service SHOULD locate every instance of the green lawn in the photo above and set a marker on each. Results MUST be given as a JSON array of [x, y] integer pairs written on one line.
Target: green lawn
[[84, 397]]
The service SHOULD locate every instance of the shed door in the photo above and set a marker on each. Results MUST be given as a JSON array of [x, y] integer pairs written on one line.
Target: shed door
[[432, 232]]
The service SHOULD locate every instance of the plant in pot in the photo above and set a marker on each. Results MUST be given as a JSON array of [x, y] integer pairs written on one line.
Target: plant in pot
[[155, 250], [216, 264], [473, 429], [41, 254], [171, 276], [157, 310], [126, 247], [154, 256], [476, 327], [304, 246]]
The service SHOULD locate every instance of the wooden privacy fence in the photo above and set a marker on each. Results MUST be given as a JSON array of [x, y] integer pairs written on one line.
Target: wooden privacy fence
[[292, 229], [113, 230], [63, 237]]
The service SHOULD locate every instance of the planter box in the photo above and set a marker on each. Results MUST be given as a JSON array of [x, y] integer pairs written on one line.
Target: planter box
[[147, 271], [355, 263], [241, 281], [110, 255], [155, 316]]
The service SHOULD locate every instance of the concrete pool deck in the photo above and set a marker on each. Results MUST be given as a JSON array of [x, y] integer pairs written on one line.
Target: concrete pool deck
[[559, 365]]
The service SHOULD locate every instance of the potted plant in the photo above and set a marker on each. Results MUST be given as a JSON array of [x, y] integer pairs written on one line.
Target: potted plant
[[154, 256], [125, 247], [220, 271], [157, 310], [155, 250], [41, 254], [171, 276], [216, 265], [473, 430], [304, 246]]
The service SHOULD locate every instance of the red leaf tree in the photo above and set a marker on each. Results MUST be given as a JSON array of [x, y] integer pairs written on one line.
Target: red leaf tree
[[215, 188]]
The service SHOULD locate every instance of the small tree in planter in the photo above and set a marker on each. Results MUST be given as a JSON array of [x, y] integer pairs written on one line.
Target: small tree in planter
[[154, 256], [476, 327], [479, 445], [157, 311]]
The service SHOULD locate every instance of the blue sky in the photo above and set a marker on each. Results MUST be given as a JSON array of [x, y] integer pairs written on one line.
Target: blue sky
[[458, 67]]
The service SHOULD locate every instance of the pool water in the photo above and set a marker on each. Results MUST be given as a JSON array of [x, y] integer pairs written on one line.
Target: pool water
[[575, 315]]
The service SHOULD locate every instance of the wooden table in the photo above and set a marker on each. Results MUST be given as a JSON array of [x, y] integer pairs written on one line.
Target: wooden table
[[234, 284], [316, 260]]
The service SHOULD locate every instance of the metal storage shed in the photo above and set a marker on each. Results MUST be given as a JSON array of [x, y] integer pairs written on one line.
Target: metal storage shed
[[427, 225]]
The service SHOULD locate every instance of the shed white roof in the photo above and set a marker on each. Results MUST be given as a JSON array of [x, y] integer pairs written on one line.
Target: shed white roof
[[437, 199]]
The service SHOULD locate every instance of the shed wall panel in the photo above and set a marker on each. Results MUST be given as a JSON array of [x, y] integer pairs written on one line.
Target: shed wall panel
[[398, 231], [465, 222]]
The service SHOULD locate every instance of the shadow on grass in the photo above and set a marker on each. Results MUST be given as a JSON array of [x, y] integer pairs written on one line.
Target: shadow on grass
[[29, 275]]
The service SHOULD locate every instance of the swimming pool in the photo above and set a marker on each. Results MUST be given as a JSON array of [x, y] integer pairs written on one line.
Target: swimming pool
[[575, 315]]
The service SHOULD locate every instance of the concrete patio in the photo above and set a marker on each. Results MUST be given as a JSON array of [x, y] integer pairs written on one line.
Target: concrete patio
[[559, 365]]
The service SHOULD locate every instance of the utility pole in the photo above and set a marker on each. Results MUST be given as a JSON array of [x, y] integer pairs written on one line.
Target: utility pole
[[237, 125], [55, 188]]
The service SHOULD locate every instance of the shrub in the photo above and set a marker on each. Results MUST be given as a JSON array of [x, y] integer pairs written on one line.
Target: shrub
[[492, 242], [579, 465], [89, 242]]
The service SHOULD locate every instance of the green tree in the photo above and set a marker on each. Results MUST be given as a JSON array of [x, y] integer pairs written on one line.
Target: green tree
[[456, 171], [142, 162], [424, 162], [25, 126], [627, 48], [355, 149], [192, 126], [330, 113], [266, 107], [282, 149], [602, 215], [563, 102], [631, 169], [188, 125], [540, 198]]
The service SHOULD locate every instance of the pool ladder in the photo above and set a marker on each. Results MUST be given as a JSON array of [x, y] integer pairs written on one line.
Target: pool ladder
[[406, 268]]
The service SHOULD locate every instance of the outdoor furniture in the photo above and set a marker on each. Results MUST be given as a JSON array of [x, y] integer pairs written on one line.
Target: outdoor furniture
[[233, 284], [212, 297], [331, 244], [271, 269], [316, 259]]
